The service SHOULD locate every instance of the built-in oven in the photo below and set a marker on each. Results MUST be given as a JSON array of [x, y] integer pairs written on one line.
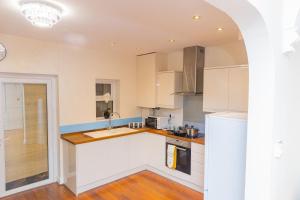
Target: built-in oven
[[183, 154]]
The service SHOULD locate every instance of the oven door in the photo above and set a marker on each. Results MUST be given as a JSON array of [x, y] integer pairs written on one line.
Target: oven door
[[183, 159], [183, 162]]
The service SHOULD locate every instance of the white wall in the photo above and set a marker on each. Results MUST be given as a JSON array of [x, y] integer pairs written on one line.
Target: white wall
[[285, 173], [233, 53], [77, 69], [274, 99], [176, 115]]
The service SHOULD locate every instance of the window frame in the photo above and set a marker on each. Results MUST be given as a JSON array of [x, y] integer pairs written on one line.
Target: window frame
[[113, 96]]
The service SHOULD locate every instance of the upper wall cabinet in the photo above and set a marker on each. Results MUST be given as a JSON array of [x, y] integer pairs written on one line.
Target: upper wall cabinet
[[226, 89], [238, 84], [168, 83], [147, 67], [215, 92]]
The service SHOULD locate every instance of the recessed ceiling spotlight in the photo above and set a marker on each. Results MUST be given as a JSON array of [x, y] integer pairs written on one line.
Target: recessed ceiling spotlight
[[171, 40], [220, 29], [196, 17], [41, 13]]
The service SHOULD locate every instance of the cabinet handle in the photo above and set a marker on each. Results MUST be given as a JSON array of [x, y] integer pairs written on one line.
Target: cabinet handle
[[181, 149]]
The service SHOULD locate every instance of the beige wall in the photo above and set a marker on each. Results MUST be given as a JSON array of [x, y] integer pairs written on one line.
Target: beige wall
[[233, 53], [77, 69]]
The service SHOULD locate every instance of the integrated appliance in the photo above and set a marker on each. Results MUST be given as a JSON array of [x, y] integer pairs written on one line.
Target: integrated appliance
[[157, 122], [225, 156], [183, 158], [193, 71]]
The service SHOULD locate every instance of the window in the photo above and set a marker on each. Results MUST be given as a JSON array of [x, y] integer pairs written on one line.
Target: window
[[106, 98]]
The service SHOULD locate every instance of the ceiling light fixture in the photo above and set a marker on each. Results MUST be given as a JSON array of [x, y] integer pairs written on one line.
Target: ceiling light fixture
[[171, 40], [41, 14], [196, 17], [220, 29]]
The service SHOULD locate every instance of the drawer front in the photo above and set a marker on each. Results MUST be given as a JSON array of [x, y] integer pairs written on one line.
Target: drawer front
[[197, 157], [198, 179], [197, 167], [198, 148]]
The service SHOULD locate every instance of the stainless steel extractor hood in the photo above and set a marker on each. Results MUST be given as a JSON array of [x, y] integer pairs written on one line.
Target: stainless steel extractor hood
[[193, 71]]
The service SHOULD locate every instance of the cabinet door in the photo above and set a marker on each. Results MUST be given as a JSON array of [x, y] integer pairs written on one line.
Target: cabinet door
[[137, 150], [156, 151], [197, 171], [238, 89], [101, 159], [166, 89], [215, 96], [146, 81]]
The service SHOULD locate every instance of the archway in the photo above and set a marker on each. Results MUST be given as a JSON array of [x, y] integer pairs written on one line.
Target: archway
[[261, 95]]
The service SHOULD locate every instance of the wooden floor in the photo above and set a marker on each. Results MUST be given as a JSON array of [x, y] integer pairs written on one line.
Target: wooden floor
[[141, 186], [24, 160]]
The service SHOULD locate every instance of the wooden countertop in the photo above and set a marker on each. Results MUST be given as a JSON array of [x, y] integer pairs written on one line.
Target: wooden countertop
[[80, 138]]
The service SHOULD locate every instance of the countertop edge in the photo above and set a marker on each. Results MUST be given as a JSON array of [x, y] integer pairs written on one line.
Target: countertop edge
[[79, 138]]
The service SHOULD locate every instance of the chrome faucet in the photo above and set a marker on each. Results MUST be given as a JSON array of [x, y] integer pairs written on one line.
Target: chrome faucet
[[109, 119]]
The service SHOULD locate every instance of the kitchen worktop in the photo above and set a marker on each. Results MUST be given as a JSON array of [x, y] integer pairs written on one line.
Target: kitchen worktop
[[81, 138]]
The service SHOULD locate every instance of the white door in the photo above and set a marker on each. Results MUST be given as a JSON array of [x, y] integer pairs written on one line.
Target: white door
[[27, 133]]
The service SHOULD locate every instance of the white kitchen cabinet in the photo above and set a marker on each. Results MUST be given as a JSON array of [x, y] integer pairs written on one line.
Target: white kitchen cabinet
[[101, 159], [137, 151], [156, 151], [215, 93], [157, 162], [69, 165], [225, 89], [169, 82], [197, 164], [238, 89], [93, 164], [147, 67]]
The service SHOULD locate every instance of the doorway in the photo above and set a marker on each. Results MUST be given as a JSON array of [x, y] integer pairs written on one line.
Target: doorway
[[28, 139], [262, 69]]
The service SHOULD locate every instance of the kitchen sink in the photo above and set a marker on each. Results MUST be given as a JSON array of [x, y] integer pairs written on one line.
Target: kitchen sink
[[111, 132]]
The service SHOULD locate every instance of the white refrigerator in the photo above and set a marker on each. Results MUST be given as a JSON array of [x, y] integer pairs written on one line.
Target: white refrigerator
[[225, 156]]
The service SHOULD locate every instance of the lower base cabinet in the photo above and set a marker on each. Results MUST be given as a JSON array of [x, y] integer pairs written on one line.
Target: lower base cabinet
[[137, 151], [89, 165]]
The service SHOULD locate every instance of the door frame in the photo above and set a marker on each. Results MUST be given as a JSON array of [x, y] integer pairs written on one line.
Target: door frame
[[51, 82]]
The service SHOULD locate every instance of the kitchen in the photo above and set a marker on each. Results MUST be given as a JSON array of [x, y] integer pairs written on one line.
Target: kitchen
[[163, 100], [150, 145]]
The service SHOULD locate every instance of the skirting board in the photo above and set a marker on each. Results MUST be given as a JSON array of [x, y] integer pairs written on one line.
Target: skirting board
[[173, 178], [90, 186], [99, 183]]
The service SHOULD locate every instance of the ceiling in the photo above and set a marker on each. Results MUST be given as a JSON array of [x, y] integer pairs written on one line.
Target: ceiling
[[136, 26]]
